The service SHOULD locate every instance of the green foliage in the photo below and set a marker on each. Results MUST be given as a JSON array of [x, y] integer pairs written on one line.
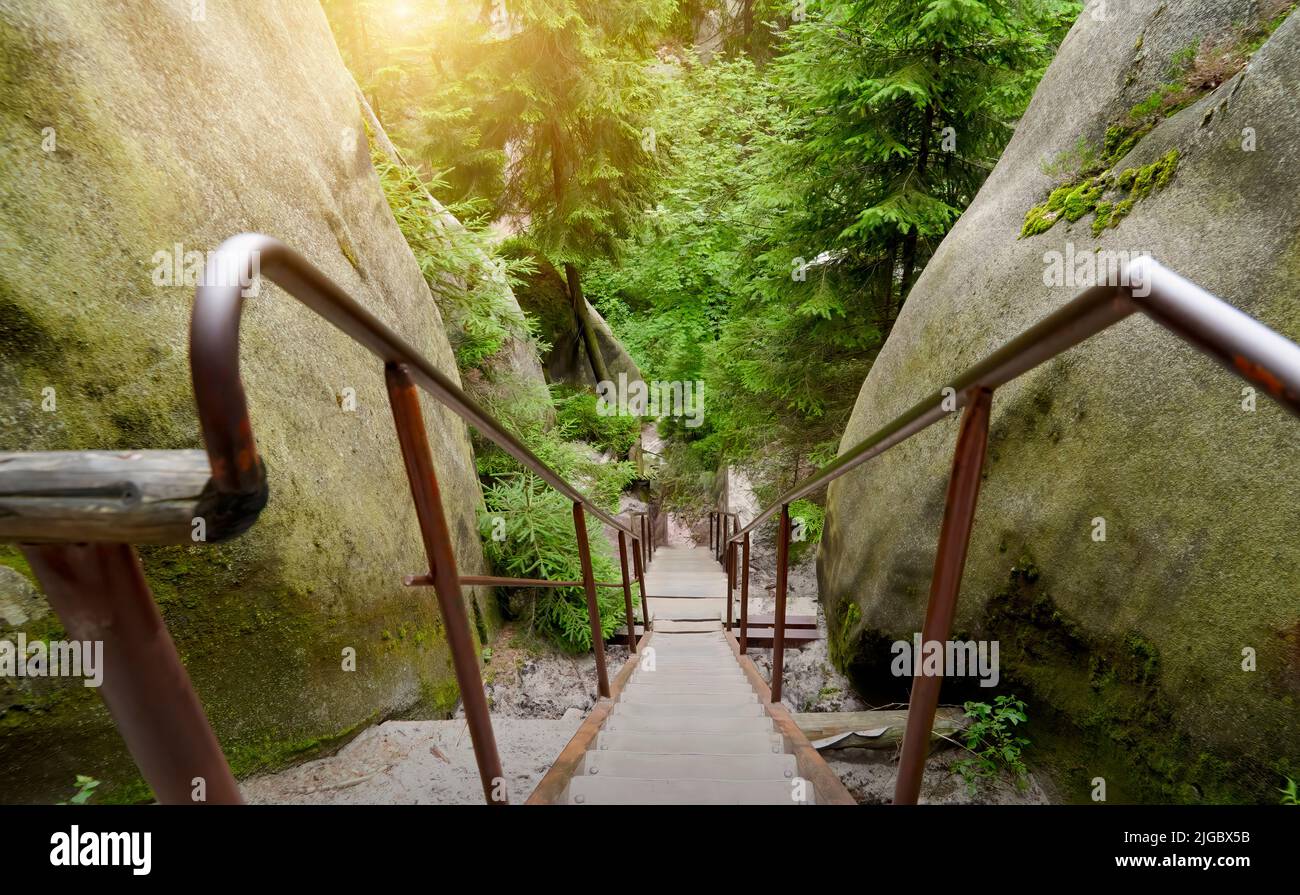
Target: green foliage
[[539, 543], [85, 790], [539, 537], [469, 280], [1290, 794], [1073, 201], [814, 521], [578, 416], [994, 742], [801, 200]]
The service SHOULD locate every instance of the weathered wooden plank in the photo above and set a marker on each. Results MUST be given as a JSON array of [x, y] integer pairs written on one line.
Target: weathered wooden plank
[[872, 730], [120, 497], [792, 622]]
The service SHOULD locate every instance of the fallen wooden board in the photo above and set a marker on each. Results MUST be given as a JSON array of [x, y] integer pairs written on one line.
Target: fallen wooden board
[[767, 620], [762, 637], [872, 730]]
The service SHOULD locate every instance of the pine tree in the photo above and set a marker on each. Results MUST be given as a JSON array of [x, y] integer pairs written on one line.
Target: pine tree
[[569, 96]]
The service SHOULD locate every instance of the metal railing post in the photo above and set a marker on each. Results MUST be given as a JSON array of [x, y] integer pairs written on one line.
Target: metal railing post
[[593, 608], [420, 472], [100, 594], [627, 593], [639, 568], [744, 595], [710, 531], [945, 585], [731, 579], [778, 622]]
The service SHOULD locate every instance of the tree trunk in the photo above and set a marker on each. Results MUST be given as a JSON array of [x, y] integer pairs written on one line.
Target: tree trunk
[[582, 320], [585, 327]]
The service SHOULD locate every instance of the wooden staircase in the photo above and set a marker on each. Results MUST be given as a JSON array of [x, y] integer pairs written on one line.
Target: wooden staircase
[[690, 721]]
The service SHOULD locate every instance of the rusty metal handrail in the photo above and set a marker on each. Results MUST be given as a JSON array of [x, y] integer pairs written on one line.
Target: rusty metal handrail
[[236, 469], [214, 362], [1236, 340], [91, 572]]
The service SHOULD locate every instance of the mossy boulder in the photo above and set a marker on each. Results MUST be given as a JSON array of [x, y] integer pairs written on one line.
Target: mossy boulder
[[129, 130], [1131, 648]]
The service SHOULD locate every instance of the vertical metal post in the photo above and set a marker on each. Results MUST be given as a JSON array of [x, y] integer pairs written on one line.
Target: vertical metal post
[[414, 441], [100, 594], [949, 563], [645, 541], [778, 623], [744, 595], [627, 592], [731, 578], [640, 578], [710, 531], [593, 608]]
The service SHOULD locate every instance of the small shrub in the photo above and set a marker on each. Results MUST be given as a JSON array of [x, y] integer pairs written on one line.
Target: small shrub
[[577, 415], [993, 742], [469, 279], [85, 790], [814, 520], [539, 543], [1290, 794]]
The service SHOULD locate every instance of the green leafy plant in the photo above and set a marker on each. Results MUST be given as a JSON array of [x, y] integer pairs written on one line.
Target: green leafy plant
[[85, 790], [539, 543], [813, 521], [994, 742], [578, 416], [1290, 793], [470, 281]]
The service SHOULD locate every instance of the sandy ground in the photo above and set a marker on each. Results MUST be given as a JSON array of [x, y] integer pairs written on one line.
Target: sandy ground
[[419, 763], [538, 700]]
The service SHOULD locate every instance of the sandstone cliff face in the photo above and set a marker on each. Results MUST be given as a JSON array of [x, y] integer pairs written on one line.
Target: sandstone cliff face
[[129, 130], [1131, 648]]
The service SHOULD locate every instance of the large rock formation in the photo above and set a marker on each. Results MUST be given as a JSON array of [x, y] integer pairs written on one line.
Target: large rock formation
[[132, 132], [1131, 648], [546, 297]]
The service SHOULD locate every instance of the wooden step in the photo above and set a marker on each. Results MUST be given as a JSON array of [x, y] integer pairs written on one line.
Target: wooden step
[[655, 766], [643, 710], [686, 698], [691, 743], [702, 671], [672, 626], [687, 724], [675, 688], [593, 790], [768, 619], [762, 637]]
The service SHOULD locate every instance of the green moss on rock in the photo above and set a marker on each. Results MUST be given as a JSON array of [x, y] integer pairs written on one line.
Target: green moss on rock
[[1076, 200]]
